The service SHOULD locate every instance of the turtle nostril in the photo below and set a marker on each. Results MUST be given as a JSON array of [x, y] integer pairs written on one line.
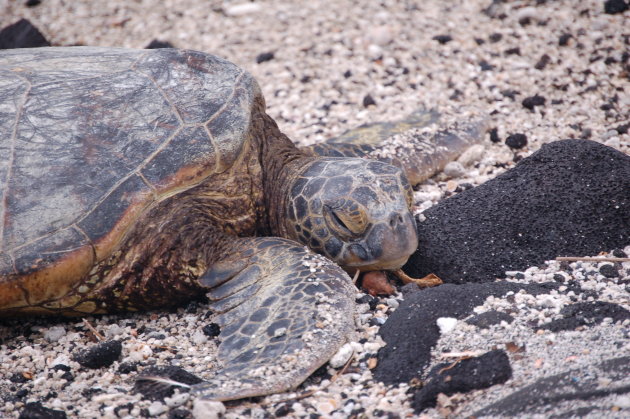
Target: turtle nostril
[[395, 219]]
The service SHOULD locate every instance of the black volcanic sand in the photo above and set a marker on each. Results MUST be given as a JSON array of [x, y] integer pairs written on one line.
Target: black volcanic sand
[[570, 198], [449, 378], [411, 331], [563, 388], [22, 34]]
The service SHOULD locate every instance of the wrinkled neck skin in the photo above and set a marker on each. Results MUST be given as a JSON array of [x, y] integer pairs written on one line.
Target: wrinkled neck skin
[[354, 211], [281, 162]]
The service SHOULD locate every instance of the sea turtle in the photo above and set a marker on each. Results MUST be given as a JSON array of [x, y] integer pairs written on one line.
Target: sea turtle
[[139, 179]]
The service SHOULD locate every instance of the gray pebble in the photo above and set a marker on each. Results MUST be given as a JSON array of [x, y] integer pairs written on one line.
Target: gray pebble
[[207, 409], [454, 169], [381, 35], [472, 155], [54, 333], [392, 302], [156, 408]]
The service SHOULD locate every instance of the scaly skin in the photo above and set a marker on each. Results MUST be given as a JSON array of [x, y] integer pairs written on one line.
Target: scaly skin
[[407, 143]]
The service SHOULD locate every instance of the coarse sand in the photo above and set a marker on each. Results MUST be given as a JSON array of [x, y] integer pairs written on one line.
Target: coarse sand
[[540, 70]]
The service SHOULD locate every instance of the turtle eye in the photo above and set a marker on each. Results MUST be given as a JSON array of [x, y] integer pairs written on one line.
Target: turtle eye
[[348, 225]]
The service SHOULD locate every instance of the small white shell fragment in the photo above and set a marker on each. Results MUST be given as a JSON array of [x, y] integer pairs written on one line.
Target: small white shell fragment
[[623, 401], [279, 332], [343, 354], [54, 333], [62, 359], [139, 352], [199, 338], [451, 185], [372, 347], [472, 155], [613, 142], [113, 331], [392, 302], [446, 324], [243, 9], [375, 51], [207, 409], [422, 196], [454, 169], [157, 408], [381, 35], [527, 13], [326, 406]]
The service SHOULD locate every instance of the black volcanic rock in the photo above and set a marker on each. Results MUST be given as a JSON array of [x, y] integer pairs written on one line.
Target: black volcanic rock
[[570, 198], [157, 44], [35, 410], [100, 355], [22, 34]]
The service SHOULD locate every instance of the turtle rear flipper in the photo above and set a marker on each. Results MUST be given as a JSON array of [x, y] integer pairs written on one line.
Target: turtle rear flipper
[[283, 314], [421, 144]]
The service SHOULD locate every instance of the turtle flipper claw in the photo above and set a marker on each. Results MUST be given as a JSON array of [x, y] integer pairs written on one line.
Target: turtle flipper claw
[[293, 312]]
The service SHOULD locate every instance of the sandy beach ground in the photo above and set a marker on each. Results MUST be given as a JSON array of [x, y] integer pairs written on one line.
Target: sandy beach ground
[[546, 69]]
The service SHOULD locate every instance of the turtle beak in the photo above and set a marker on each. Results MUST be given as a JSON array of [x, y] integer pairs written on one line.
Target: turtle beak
[[387, 246]]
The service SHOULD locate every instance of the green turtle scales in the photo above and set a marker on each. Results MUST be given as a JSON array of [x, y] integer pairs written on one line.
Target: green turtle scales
[[138, 179]]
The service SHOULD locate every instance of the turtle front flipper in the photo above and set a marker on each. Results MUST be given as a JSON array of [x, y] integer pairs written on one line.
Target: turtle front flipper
[[421, 144], [283, 312]]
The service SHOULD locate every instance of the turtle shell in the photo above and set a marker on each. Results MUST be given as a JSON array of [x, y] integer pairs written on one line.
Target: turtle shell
[[92, 137]]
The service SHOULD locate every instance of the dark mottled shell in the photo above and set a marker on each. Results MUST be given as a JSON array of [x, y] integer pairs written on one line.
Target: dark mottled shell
[[90, 137]]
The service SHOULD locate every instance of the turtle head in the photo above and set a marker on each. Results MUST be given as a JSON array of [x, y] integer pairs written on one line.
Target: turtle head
[[354, 211]]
